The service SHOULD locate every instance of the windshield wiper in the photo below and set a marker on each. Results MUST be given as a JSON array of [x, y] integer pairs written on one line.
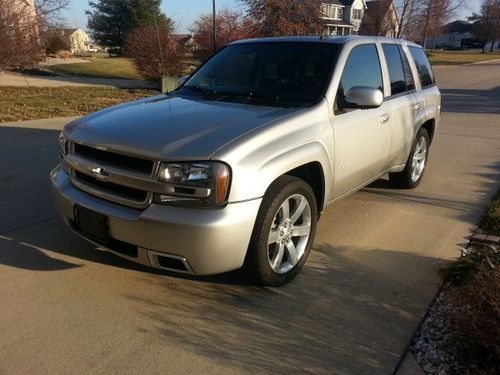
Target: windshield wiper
[[248, 96]]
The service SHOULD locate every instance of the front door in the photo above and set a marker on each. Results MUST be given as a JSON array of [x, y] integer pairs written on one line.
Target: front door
[[362, 136]]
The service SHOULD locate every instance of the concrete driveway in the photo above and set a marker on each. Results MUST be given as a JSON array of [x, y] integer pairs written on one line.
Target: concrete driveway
[[67, 308]]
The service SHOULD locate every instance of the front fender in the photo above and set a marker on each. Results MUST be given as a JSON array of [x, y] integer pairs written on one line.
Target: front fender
[[269, 153]]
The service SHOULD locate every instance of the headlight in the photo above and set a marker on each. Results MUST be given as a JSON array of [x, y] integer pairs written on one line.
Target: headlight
[[204, 184], [63, 145]]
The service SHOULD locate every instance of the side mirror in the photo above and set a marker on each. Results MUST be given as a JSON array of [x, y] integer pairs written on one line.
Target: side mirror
[[364, 97], [181, 80]]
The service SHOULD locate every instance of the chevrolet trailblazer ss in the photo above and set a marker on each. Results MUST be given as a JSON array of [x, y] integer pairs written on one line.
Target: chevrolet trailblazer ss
[[234, 167]]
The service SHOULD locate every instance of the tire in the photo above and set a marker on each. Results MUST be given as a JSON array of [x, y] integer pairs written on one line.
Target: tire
[[414, 171], [278, 248]]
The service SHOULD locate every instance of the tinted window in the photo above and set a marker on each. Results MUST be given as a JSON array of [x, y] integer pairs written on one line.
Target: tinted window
[[395, 66], [362, 69], [277, 74], [399, 69], [423, 66], [410, 81]]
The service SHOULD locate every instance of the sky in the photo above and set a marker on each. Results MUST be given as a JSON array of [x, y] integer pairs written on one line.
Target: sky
[[184, 12]]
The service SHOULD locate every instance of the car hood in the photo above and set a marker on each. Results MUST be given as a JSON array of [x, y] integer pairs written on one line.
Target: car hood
[[171, 127]]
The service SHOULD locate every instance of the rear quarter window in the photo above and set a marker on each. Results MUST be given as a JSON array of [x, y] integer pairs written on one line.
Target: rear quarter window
[[423, 66]]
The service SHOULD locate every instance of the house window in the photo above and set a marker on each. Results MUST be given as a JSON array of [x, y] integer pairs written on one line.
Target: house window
[[357, 14], [331, 11]]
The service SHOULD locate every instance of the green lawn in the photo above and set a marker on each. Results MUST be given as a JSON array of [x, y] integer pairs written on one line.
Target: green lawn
[[102, 67], [458, 58], [27, 103]]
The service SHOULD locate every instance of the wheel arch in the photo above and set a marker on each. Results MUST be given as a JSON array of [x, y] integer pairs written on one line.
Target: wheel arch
[[430, 126], [312, 173], [309, 162]]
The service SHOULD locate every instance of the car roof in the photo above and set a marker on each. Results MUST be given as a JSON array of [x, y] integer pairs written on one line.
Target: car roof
[[322, 39]]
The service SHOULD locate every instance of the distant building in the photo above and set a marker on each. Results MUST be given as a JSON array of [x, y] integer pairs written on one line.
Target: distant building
[[185, 40], [342, 17], [457, 34], [381, 19], [77, 39]]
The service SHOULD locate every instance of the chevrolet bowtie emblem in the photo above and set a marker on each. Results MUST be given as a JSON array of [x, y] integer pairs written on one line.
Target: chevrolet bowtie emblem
[[99, 173]]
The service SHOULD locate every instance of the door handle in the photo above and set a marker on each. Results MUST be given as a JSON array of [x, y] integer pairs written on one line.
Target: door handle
[[385, 118]]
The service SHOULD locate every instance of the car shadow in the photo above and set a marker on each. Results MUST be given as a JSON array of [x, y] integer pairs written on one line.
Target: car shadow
[[341, 315], [471, 101]]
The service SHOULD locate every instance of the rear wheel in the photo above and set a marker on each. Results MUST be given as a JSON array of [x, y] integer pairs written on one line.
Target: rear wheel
[[283, 233], [413, 173]]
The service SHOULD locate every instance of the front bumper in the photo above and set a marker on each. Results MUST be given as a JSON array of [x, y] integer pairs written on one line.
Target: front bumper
[[210, 241]]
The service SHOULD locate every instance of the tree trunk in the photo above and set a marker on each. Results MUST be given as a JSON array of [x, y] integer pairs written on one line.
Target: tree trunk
[[427, 20], [492, 45]]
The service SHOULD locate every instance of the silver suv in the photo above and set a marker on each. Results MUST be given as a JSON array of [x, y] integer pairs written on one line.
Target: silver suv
[[234, 167]]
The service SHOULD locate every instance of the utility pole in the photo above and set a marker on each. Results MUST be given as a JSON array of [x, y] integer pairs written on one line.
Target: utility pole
[[213, 26]]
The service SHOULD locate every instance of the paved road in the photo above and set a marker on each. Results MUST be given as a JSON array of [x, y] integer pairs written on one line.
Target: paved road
[[25, 80], [66, 308]]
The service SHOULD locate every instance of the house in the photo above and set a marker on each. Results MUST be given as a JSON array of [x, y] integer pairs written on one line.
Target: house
[[77, 39], [457, 34], [381, 19], [185, 40], [342, 17]]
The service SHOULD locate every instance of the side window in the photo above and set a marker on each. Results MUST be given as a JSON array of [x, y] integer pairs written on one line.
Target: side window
[[410, 81], [399, 69], [423, 66], [396, 70], [361, 69]]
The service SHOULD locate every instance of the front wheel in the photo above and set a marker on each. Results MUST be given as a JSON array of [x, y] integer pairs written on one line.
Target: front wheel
[[413, 173], [283, 233]]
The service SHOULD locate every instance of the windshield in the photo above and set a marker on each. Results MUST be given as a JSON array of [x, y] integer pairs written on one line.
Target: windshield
[[276, 74]]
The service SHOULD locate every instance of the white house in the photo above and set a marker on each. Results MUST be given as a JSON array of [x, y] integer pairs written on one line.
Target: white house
[[77, 39], [455, 35], [342, 17]]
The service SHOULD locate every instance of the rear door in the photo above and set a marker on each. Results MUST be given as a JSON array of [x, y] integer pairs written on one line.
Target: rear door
[[405, 102], [362, 136]]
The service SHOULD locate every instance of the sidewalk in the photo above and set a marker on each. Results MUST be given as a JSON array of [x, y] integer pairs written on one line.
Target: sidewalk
[[23, 80]]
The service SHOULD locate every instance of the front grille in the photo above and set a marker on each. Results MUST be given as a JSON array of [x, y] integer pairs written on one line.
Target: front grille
[[121, 179], [138, 165], [110, 188]]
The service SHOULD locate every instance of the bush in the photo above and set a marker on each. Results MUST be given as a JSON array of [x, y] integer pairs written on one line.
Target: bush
[[64, 54], [55, 42], [476, 321], [473, 289], [490, 222], [479, 259], [155, 52], [19, 39]]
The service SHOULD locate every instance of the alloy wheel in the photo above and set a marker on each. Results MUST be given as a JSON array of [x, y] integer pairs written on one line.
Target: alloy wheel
[[289, 233]]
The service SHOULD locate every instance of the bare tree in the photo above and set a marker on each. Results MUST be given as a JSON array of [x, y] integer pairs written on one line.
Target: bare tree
[[49, 11], [155, 52], [419, 19], [19, 39], [435, 14], [377, 20], [229, 26], [487, 23], [408, 17], [291, 17]]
